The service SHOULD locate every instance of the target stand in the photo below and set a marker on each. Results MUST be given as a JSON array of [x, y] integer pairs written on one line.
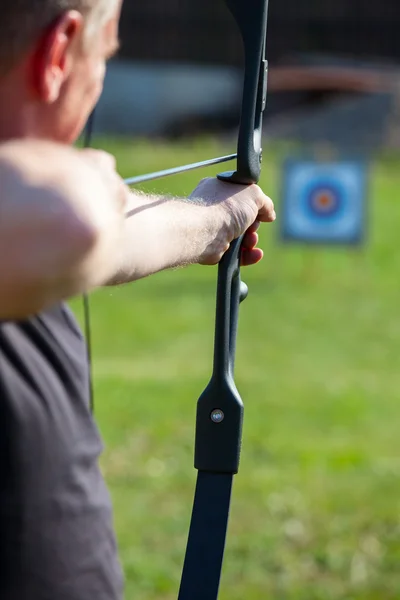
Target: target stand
[[324, 203]]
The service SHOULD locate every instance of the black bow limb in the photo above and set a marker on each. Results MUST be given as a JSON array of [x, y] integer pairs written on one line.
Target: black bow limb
[[220, 408]]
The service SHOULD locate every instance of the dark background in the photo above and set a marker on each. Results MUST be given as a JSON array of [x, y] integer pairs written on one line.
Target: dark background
[[203, 32]]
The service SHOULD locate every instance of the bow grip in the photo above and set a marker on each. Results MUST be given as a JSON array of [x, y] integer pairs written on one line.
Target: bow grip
[[220, 408]]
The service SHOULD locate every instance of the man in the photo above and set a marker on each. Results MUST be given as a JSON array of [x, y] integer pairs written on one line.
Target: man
[[68, 225]]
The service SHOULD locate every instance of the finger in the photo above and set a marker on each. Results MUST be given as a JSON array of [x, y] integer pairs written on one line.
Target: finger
[[266, 212], [124, 196], [250, 241], [100, 158], [253, 228], [251, 257]]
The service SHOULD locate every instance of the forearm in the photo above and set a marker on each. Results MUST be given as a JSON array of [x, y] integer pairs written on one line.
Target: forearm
[[162, 233]]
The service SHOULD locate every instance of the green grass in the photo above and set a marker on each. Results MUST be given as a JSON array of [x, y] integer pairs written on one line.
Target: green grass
[[316, 504]]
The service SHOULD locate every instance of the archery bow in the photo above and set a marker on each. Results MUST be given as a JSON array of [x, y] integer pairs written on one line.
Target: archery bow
[[220, 408]]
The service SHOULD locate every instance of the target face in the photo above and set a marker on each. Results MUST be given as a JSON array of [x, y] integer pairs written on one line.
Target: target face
[[324, 203]]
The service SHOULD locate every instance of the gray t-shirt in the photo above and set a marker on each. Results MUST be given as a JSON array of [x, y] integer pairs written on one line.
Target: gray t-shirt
[[56, 533]]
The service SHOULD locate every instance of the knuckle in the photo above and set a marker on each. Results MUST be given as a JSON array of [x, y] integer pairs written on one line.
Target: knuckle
[[110, 159], [102, 158], [257, 191]]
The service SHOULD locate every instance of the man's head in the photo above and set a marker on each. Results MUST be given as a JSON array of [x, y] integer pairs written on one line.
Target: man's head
[[52, 64]]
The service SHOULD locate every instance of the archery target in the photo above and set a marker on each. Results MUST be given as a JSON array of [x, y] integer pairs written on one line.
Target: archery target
[[324, 202]]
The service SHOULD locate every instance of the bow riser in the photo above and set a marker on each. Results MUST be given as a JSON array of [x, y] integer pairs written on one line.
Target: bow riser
[[253, 35], [220, 408]]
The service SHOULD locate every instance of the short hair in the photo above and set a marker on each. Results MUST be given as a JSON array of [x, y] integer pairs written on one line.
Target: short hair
[[23, 21]]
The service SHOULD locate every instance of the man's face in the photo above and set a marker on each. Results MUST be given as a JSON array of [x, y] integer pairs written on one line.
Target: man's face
[[66, 117]]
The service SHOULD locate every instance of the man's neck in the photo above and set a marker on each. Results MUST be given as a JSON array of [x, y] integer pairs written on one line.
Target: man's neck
[[18, 117]]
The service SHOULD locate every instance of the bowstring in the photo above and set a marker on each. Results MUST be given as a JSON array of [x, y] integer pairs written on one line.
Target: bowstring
[[87, 142]]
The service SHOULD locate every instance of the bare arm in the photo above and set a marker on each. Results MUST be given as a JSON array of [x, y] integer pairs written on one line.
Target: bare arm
[[160, 233], [67, 226]]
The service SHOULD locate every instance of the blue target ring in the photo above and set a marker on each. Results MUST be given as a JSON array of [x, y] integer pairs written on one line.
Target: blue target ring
[[324, 202]]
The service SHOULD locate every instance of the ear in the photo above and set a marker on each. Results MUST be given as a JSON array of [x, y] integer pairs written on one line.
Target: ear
[[52, 58]]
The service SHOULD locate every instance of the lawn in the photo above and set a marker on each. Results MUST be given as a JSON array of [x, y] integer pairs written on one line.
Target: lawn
[[316, 503]]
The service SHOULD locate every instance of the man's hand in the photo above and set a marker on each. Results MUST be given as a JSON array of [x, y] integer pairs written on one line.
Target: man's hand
[[105, 165], [243, 208]]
